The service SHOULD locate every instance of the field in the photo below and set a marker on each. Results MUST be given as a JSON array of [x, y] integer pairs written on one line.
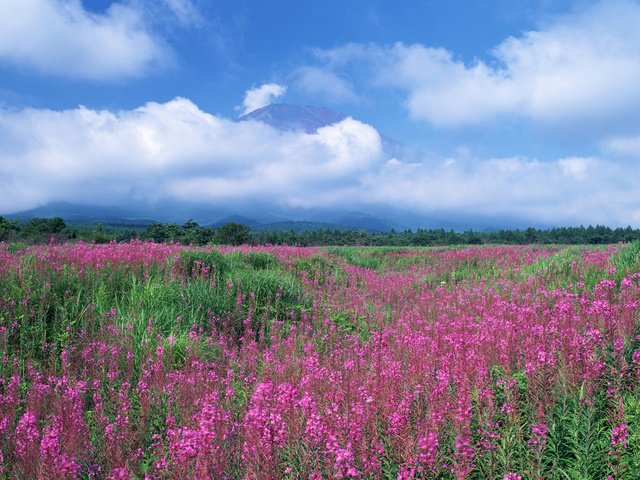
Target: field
[[145, 360]]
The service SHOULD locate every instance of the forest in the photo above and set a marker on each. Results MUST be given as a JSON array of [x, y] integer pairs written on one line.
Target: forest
[[42, 230]]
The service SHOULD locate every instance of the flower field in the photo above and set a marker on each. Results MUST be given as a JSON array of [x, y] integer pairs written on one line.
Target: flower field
[[145, 360]]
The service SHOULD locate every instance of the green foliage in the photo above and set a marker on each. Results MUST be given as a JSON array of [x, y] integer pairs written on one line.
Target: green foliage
[[578, 437], [51, 306], [632, 409], [44, 226], [440, 237], [192, 233], [317, 267], [7, 228], [367, 258], [17, 248], [262, 260], [258, 276], [40, 230], [217, 264], [233, 234], [627, 260], [352, 324], [189, 233], [162, 232]]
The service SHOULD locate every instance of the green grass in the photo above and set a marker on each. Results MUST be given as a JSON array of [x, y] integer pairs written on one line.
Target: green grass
[[59, 304], [627, 260]]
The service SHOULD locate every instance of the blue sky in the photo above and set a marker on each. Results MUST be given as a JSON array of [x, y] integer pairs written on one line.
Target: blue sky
[[524, 109]]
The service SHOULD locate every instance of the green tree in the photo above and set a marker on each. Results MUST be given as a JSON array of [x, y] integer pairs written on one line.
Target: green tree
[[41, 229], [233, 234], [194, 233], [531, 235], [6, 229], [162, 232]]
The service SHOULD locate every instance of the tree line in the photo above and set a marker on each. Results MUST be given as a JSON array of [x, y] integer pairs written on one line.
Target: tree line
[[42, 230]]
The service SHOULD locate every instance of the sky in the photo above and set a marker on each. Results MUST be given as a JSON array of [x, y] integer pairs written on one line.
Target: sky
[[525, 109]]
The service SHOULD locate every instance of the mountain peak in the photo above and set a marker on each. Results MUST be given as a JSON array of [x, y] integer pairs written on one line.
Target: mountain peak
[[308, 119], [284, 116]]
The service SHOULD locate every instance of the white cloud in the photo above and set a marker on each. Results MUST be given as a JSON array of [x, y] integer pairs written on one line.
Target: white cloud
[[445, 91], [623, 146], [325, 85], [261, 96], [174, 151], [580, 68], [60, 37], [569, 191], [576, 168]]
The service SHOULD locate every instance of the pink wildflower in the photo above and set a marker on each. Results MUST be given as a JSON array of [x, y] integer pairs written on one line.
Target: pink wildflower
[[512, 476], [620, 436], [538, 436]]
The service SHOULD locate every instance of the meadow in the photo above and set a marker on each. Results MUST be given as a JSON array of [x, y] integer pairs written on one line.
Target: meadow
[[144, 360]]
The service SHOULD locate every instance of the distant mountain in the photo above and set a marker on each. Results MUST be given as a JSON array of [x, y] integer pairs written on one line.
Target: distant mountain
[[308, 119], [361, 221], [249, 222], [294, 117], [86, 214], [270, 217], [301, 226]]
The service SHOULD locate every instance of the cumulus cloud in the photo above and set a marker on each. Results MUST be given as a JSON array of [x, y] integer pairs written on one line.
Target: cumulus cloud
[[176, 152], [446, 92], [568, 191], [173, 151], [580, 67], [325, 85], [60, 37], [261, 96]]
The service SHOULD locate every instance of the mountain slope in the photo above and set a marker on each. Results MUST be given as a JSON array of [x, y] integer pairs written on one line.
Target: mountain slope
[[294, 117], [308, 119]]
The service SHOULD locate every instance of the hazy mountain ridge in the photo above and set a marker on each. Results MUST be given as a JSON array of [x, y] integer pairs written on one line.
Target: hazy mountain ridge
[[272, 219]]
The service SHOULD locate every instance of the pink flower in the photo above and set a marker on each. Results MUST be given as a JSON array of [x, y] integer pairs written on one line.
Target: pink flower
[[538, 436], [512, 476], [120, 474], [620, 435], [428, 448], [27, 434], [54, 462]]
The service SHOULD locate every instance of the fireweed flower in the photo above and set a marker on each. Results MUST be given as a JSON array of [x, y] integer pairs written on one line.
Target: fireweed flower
[[488, 436], [620, 436], [397, 371], [538, 436], [54, 462], [428, 448], [27, 435]]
